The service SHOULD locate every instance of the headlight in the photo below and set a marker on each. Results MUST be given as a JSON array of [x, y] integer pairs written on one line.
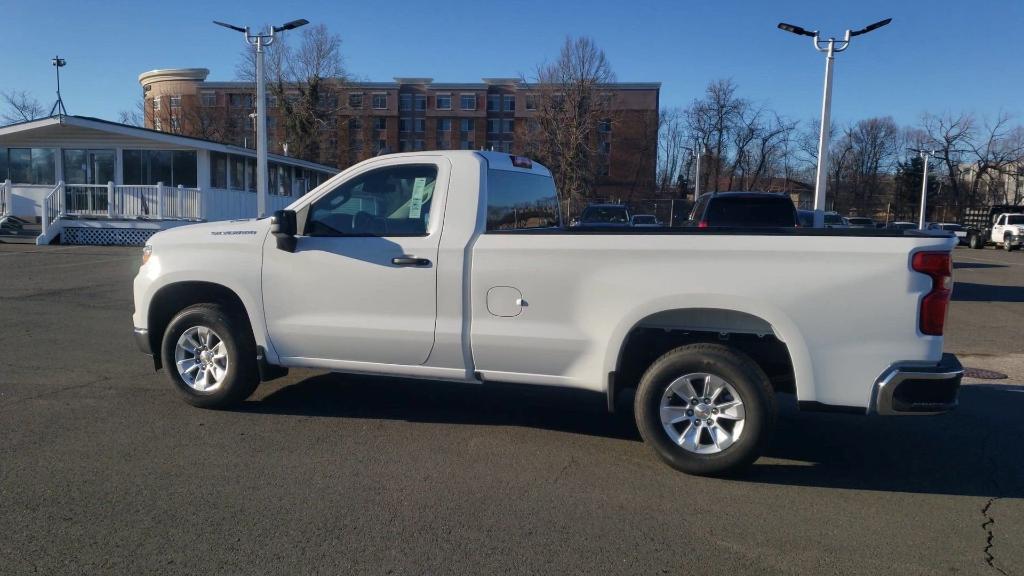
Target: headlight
[[147, 251]]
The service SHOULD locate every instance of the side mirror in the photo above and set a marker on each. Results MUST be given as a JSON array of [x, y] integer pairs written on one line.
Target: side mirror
[[284, 228]]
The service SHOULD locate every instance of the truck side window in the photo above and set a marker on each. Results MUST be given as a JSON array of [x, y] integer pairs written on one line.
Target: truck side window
[[390, 201], [520, 200]]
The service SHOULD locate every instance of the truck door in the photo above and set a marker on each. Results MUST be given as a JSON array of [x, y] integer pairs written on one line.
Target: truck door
[[997, 229], [361, 283]]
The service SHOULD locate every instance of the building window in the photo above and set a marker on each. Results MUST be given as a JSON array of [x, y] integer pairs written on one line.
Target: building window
[[444, 124], [271, 101], [467, 101], [404, 124], [237, 172], [493, 102], [507, 125], [604, 126], [355, 123], [31, 165], [158, 125], [421, 102], [175, 102], [466, 145], [208, 99], [466, 125], [443, 143], [175, 125], [156, 103], [420, 125], [380, 123], [405, 102], [355, 101], [403, 145], [240, 100], [531, 101], [380, 101], [506, 146], [510, 103], [417, 144], [444, 101], [382, 146], [493, 126], [493, 145], [172, 167]]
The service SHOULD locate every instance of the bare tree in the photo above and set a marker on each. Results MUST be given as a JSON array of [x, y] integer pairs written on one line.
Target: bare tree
[[949, 135], [134, 116], [673, 159], [306, 80], [571, 105], [20, 106]]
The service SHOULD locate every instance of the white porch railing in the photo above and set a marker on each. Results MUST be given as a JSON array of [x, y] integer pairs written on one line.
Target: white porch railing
[[5, 198], [130, 201]]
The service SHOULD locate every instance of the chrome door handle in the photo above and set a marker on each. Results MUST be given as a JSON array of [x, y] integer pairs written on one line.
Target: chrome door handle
[[410, 261]]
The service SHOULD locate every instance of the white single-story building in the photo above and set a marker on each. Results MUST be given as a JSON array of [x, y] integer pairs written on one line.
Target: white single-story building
[[94, 181]]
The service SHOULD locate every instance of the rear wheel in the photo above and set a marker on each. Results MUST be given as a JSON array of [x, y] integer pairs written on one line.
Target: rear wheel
[[210, 356], [705, 409], [976, 242]]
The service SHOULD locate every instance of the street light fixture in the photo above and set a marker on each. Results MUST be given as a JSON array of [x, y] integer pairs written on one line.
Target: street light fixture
[[259, 40], [830, 47]]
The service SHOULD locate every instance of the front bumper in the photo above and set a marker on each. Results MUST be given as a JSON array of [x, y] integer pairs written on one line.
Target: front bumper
[[918, 390]]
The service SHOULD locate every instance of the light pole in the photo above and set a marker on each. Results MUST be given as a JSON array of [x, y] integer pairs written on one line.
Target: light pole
[[830, 47], [695, 153], [58, 106], [259, 40], [925, 154]]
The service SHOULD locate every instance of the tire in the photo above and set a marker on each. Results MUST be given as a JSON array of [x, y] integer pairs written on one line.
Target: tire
[[976, 242], [694, 447], [228, 358], [1008, 243]]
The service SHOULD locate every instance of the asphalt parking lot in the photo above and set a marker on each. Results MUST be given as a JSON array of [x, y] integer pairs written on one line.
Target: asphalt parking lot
[[104, 470]]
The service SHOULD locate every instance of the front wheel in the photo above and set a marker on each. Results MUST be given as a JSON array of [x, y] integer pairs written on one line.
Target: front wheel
[[210, 356], [1008, 244], [705, 409]]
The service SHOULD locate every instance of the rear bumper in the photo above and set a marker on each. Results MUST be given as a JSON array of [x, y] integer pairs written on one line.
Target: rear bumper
[[918, 390]]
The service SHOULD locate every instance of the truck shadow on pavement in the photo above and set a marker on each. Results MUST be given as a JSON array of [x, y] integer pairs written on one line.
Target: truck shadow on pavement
[[976, 265], [970, 292], [974, 451]]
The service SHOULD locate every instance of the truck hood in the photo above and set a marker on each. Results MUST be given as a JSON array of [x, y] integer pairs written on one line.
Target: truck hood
[[249, 231]]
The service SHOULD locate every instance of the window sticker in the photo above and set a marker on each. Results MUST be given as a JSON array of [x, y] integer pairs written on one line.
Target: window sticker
[[416, 204]]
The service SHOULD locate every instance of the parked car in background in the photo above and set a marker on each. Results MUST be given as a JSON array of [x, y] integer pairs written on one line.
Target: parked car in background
[[956, 229], [743, 210], [699, 329], [834, 220], [604, 215], [901, 225], [859, 222], [1002, 225], [645, 221], [805, 218]]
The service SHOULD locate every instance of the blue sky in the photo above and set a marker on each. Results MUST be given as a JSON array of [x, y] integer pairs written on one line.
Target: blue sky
[[935, 56]]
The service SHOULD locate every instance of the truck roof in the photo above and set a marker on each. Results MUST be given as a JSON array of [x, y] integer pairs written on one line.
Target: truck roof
[[495, 160]]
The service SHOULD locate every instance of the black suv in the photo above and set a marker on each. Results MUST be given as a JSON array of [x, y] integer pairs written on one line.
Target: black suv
[[743, 210]]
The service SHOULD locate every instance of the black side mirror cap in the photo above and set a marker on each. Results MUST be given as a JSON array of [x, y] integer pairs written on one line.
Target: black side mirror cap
[[283, 227]]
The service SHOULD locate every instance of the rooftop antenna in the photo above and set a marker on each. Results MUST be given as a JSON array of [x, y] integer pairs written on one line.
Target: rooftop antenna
[[58, 106]]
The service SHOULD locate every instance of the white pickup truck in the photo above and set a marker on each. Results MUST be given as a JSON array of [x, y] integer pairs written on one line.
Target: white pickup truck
[[455, 266]]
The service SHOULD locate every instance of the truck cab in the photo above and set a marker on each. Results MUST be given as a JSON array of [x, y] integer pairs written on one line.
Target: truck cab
[[1008, 231]]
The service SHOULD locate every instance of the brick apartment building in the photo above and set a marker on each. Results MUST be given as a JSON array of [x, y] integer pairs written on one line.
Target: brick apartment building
[[411, 114]]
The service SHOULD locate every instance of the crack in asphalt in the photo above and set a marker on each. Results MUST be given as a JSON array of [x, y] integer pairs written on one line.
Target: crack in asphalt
[[987, 525]]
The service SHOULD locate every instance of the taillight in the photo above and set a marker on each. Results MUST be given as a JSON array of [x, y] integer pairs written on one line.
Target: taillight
[[938, 265], [702, 224]]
